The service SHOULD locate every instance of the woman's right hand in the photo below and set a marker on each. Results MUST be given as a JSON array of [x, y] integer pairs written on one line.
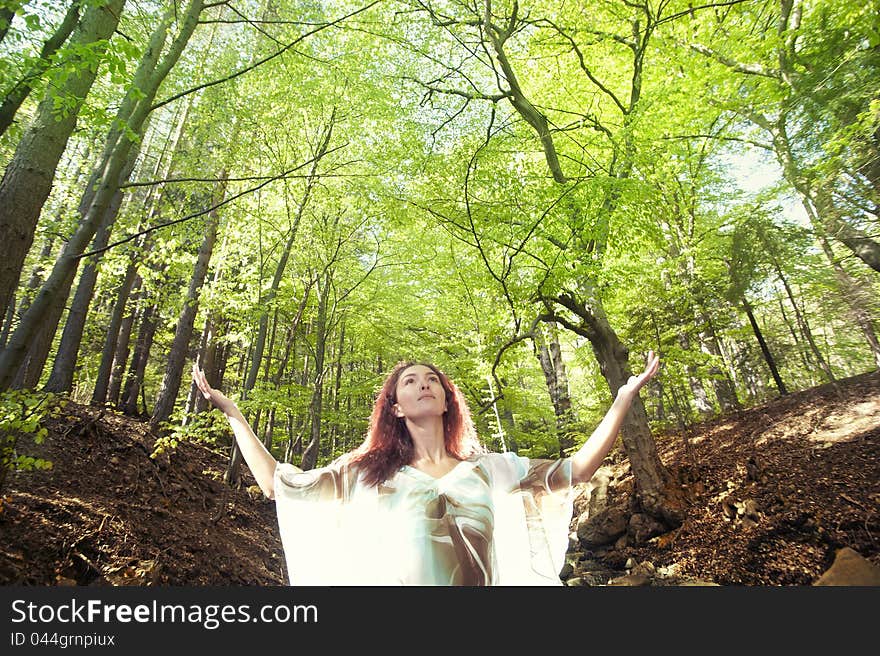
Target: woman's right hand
[[216, 397]]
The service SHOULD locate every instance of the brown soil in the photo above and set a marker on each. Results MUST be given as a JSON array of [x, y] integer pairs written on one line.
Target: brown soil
[[108, 514], [806, 467]]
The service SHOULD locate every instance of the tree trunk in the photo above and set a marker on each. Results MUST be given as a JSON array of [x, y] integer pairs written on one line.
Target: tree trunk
[[122, 349], [61, 378], [698, 390], [134, 381], [550, 357], [806, 356], [7, 323], [117, 154], [209, 360], [804, 326], [22, 88], [858, 297], [337, 383], [655, 490], [765, 350], [291, 333], [182, 335], [725, 392], [108, 353], [41, 342], [310, 455], [32, 285], [28, 178]]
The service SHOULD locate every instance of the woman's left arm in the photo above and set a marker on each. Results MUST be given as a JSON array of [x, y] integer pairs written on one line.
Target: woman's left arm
[[589, 457]]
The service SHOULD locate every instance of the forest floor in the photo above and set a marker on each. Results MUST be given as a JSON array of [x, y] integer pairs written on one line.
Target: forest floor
[[108, 514]]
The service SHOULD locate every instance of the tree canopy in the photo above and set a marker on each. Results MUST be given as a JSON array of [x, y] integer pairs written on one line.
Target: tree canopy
[[532, 195]]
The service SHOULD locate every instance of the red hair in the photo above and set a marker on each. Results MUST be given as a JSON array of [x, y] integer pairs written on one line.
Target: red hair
[[388, 445]]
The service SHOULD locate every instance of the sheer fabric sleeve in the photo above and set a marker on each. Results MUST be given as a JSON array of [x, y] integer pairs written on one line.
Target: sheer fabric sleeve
[[315, 523], [533, 501]]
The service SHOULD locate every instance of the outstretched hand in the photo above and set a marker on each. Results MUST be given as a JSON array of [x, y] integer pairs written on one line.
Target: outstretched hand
[[635, 383], [216, 397]]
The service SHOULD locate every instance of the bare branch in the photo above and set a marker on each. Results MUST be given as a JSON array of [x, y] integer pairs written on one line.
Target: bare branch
[[475, 95], [583, 64], [752, 142], [262, 61], [739, 67], [691, 10], [202, 212]]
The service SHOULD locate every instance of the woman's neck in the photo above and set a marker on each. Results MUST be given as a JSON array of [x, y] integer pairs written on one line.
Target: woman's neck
[[429, 444]]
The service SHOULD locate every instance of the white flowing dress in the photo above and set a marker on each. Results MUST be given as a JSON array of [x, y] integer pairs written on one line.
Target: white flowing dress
[[495, 519]]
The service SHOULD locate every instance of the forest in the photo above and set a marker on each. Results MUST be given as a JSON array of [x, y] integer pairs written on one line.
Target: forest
[[298, 194]]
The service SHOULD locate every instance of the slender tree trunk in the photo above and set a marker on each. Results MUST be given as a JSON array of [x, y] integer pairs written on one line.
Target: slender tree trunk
[[28, 178], [804, 326], [337, 383], [858, 296], [7, 323], [102, 380], [32, 285], [509, 420], [134, 381], [288, 450], [268, 436], [171, 381], [41, 342], [765, 350], [310, 455], [209, 360], [122, 349], [657, 387], [291, 332], [682, 413], [725, 392], [550, 356], [806, 357], [698, 390], [23, 87]]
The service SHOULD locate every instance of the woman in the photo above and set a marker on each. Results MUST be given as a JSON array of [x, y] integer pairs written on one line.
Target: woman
[[420, 501]]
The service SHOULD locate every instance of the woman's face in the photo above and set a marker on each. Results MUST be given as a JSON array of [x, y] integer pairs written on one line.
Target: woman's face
[[419, 393]]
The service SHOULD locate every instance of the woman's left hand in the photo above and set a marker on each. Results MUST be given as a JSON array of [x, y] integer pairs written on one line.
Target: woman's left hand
[[635, 383]]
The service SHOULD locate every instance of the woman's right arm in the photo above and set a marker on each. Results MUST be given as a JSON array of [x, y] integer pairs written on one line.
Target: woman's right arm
[[257, 457]]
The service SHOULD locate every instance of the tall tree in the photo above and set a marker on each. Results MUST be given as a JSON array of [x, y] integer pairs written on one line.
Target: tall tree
[[184, 330], [137, 106], [28, 178], [814, 46], [576, 302]]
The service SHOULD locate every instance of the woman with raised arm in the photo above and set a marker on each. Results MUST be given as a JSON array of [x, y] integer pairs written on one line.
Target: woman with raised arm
[[420, 501]]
